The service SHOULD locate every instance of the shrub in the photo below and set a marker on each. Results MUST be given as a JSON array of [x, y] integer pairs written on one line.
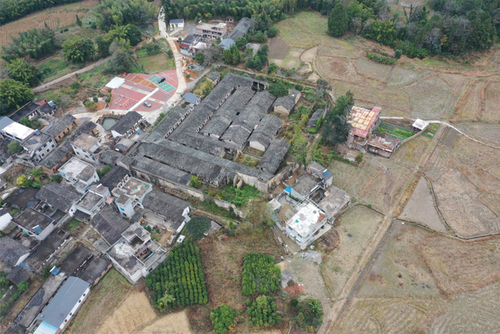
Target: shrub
[[381, 59], [179, 280], [15, 147], [294, 302], [198, 226], [359, 158], [398, 53], [273, 32], [95, 99], [263, 312], [411, 50], [278, 89], [260, 274], [56, 178], [222, 318]]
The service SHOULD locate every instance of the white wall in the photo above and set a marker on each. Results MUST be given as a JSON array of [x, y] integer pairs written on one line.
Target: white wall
[[258, 146], [75, 308], [5, 220]]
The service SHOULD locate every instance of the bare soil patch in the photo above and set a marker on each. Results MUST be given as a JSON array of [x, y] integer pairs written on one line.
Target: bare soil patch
[[430, 98], [449, 137], [133, 312], [373, 70], [356, 229], [420, 208], [175, 323], [309, 55], [401, 77], [278, 49], [491, 110]]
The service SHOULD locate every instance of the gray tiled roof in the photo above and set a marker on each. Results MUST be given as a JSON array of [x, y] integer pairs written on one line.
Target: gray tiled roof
[[275, 153], [87, 127], [126, 122], [19, 274], [113, 177], [109, 157], [314, 118], [165, 205], [55, 157], [266, 130], [109, 224], [11, 250], [59, 126], [167, 123], [241, 28], [57, 196], [64, 300]]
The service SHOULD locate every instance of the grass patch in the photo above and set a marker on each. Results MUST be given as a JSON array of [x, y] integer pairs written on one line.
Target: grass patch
[[72, 225], [432, 128], [238, 197], [156, 63], [53, 67], [394, 131], [247, 161]]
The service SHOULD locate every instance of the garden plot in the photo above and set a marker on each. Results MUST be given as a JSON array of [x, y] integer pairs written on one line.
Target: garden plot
[[460, 206], [420, 208], [415, 152], [373, 70], [356, 229], [430, 98], [339, 69], [291, 60]]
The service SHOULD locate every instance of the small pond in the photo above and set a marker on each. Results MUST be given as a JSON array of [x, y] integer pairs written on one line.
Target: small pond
[[108, 122]]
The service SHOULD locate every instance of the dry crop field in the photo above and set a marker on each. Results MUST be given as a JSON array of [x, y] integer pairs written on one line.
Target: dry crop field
[[56, 18], [425, 282]]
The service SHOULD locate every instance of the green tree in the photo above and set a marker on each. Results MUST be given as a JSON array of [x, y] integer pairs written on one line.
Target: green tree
[[23, 181], [25, 121], [241, 42], [337, 128], [78, 49], [35, 43], [102, 45], [198, 226], [278, 89], [129, 32], [273, 32], [122, 61], [199, 57], [383, 32], [13, 95], [338, 22], [15, 147], [195, 182], [37, 172], [56, 178], [78, 21], [272, 68], [222, 318], [20, 70]]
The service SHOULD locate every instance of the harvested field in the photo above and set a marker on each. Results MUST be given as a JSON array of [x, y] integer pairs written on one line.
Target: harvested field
[[156, 63], [291, 60], [109, 293], [378, 181], [415, 152], [175, 323], [458, 201], [56, 18], [430, 98], [471, 105], [420, 208], [304, 29], [459, 266], [373, 70], [278, 49], [338, 69], [134, 312], [402, 295], [401, 77], [309, 55], [491, 110], [481, 131], [356, 229], [449, 137]]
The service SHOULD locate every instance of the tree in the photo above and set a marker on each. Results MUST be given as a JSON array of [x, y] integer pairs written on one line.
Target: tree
[[222, 318], [122, 61], [278, 89], [20, 70], [23, 286], [129, 32], [272, 68], [13, 95], [25, 121], [102, 45], [15, 147], [273, 32], [359, 158], [254, 63], [56, 178], [35, 43], [37, 172], [23, 181], [338, 21], [310, 314], [337, 128], [199, 57], [198, 226], [382, 32], [78, 21], [170, 53], [78, 49], [241, 42]]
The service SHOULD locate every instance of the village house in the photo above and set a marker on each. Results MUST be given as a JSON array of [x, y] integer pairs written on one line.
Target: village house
[[211, 30], [129, 124], [304, 226], [114, 177], [109, 224], [5, 218], [214, 77], [12, 252], [79, 173], [363, 122], [59, 197], [13, 130], [35, 224], [176, 24], [191, 98], [241, 29], [226, 43], [316, 116], [61, 127], [169, 212], [85, 147], [274, 155], [94, 200], [264, 132], [37, 146], [44, 253], [129, 194], [34, 109], [285, 104], [84, 264], [66, 302], [384, 145], [135, 255]]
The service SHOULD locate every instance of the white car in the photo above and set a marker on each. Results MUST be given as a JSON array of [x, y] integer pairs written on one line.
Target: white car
[[181, 239]]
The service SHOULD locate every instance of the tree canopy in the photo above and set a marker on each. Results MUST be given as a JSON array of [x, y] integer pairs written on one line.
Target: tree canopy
[[78, 49], [337, 22], [14, 147], [198, 226], [19, 69], [13, 95], [278, 89], [222, 318], [336, 126], [34, 43]]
